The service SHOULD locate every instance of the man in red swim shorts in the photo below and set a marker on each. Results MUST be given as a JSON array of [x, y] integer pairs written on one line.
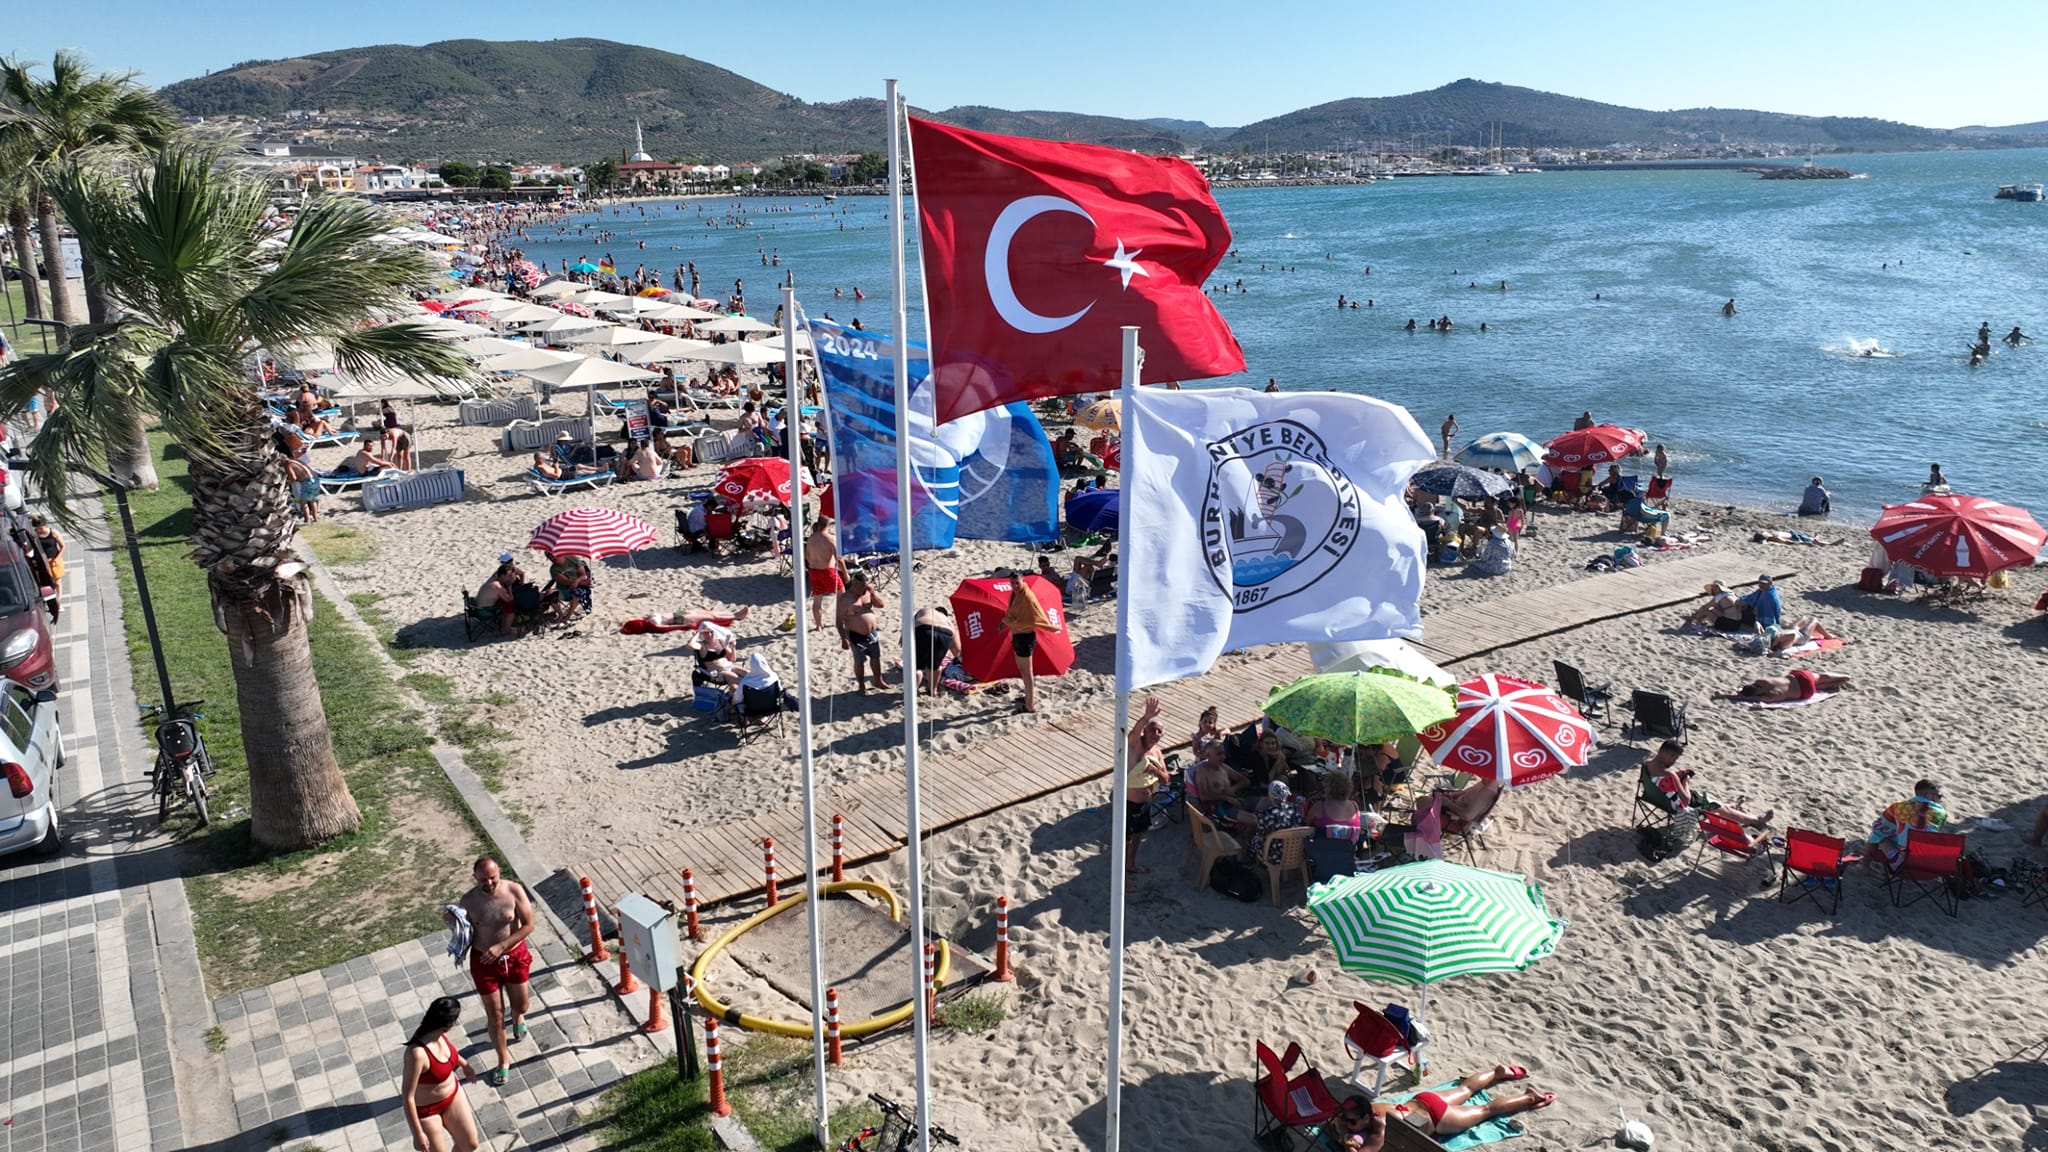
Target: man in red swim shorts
[[500, 918], [823, 571]]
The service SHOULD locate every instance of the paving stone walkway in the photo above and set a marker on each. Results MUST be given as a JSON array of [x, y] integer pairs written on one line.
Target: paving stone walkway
[[316, 1059]]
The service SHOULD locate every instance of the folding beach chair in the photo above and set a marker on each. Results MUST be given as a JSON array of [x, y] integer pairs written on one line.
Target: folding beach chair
[[1932, 862], [1821, 863], [1374, 1038], [1283, 1105], [1654, 807], [1467, 832], [1573, 687], [1657, 717], [759, 710], [1725, 836]]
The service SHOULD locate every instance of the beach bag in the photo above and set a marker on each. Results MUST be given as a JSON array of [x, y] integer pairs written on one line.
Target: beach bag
[[1872, 580], [1658, 843], [708, 698], [1448, 554], [1235, 879], [1330, 858]]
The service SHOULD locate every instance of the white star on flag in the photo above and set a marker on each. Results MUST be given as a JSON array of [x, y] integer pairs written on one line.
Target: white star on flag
[[1125, 262]]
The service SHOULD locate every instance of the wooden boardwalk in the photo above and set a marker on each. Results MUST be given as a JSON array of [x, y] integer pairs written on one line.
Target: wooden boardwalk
[[1059, 752]]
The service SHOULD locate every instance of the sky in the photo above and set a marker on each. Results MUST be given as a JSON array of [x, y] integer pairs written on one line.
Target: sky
[[1226, 63]]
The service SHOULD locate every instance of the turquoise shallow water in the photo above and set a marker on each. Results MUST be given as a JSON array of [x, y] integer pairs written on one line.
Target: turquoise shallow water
[[1748, 407]]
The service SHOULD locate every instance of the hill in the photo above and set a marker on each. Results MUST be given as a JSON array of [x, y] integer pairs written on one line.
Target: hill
[[2037, 128], [1461, 114], [570, 100]]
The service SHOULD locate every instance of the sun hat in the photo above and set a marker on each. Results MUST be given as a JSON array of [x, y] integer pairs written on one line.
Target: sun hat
[[504, 557], [561, 436]]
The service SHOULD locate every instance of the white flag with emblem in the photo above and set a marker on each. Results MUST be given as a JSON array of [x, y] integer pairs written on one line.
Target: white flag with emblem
[[1261, 518]]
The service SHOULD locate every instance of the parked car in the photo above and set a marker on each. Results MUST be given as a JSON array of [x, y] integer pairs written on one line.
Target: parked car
[[31, 756], [26, 656]]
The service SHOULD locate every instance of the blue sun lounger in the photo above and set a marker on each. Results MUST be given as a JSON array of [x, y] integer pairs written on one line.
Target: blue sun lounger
[[333, 439]]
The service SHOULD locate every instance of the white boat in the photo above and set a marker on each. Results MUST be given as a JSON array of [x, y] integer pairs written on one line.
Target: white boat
[[2028, 193], [1496, 170]]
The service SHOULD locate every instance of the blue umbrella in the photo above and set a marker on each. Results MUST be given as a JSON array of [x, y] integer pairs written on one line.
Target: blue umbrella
[[1094, 510], [1462, 482], [1507, 451], [583, 266]]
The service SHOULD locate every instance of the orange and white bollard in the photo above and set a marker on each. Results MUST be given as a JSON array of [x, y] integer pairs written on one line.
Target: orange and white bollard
[[1002, 972], [626, 985], [657, 1011], [832, 1049], [931, 980], [716, 1090], [838, 848], [598, 955], [768, 866], [690, 907]]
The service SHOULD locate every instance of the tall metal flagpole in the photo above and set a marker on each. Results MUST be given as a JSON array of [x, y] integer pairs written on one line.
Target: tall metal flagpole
[[1119, 814], [921, 1013], [792, 426]]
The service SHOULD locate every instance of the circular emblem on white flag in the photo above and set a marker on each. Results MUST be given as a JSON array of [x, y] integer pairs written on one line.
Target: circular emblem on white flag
[[1278, 515]]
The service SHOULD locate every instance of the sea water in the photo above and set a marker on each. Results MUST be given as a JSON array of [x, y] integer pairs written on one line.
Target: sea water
[[1847, 356]]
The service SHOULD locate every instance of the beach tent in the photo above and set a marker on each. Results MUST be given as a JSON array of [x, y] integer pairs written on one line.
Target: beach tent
[[736, 324]]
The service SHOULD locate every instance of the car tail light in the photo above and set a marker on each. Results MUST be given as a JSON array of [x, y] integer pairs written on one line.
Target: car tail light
[[17, 780]]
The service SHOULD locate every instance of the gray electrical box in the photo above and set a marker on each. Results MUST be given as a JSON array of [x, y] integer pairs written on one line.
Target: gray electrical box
[[647, 934]]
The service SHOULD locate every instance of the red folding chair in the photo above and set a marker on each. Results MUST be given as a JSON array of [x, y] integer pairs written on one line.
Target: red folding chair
[[1729, 838], [1931, 861], [1821, 862], [1280, 1105], [1374, 1037]]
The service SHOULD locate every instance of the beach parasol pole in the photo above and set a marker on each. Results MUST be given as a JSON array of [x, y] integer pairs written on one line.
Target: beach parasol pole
[[1119, 815], [822, 1126], [921, 1018]]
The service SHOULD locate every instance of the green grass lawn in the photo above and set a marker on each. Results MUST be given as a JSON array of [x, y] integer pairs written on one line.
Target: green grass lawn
[[261, 919], [767, 1081], [24, 337]]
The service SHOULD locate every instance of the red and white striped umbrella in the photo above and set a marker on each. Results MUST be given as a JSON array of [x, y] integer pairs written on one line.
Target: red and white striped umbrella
[[1510, 730], [594, 533], [1959, 535]]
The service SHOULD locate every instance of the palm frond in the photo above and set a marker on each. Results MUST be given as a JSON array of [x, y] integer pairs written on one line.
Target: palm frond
[[402, 349], [338, 268]]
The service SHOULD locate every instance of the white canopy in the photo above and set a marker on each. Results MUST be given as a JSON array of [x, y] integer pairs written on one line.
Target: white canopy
[[493, 304], [563, 322], [453, 329], [481, 346], [803, 342], [670, 348], [525, 358], [598, 298], [755, 355], [1365, 655], [588, 372], [616, 336], [428, 238], [524, 314], [458, 295], [555, 288], [735, 324]]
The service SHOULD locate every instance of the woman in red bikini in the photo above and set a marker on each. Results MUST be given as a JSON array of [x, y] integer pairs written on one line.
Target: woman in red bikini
[[434, 1105], [1361, 1126]]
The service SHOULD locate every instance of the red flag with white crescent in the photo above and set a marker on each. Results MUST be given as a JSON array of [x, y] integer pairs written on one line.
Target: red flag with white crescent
[[1037, 253]]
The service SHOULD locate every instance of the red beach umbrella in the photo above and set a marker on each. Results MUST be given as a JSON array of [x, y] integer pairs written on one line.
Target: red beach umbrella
[[1510, 730], [1959, 535], [1600, 444], [767, 475], [979, 607], [594, 533]]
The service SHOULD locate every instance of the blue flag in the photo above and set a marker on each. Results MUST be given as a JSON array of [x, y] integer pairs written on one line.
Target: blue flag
[[987, 476]]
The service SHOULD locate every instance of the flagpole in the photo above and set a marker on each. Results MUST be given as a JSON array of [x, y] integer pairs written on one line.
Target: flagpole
[[921, 1025], [792, 427], [1119, 813]]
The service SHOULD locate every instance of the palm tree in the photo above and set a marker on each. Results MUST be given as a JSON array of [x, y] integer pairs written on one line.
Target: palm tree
[[176, 245], [51, 121], [13, 183]]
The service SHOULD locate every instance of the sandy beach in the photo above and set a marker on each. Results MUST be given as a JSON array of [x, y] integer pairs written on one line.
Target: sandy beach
[[1686, 998]]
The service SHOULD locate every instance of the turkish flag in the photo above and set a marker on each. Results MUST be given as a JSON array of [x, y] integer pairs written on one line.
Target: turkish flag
[[1036, 254]]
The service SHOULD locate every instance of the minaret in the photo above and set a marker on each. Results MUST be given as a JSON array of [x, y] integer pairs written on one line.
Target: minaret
[[639, 142]]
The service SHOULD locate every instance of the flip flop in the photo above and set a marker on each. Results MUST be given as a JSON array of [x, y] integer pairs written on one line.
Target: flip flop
[[1516, 1072], [496, 1077], [1545, 1100], [519, 1030]]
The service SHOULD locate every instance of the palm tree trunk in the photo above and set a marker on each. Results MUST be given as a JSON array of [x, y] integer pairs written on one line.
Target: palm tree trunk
[[128, 456], [243, 524], [95, 294], [53, 262], [25, 254]]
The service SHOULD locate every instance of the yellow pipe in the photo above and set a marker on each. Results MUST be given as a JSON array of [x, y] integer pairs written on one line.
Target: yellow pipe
[[726, 1014]]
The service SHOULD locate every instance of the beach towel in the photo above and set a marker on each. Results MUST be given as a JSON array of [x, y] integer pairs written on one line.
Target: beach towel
[[1816, 698], [1819, 644], [1490, 1132], [458, 933], [643, 625]]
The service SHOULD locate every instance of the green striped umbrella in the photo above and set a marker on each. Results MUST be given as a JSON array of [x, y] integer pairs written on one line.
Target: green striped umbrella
[[1426, 921], [1359, 707]]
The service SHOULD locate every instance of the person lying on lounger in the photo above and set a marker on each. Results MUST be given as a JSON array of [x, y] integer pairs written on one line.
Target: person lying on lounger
[[554, 469], [1798, 684], [1361, 1125]]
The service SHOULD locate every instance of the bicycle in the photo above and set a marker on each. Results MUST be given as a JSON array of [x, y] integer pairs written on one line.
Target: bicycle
[[182, 761], [898, 1132]]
